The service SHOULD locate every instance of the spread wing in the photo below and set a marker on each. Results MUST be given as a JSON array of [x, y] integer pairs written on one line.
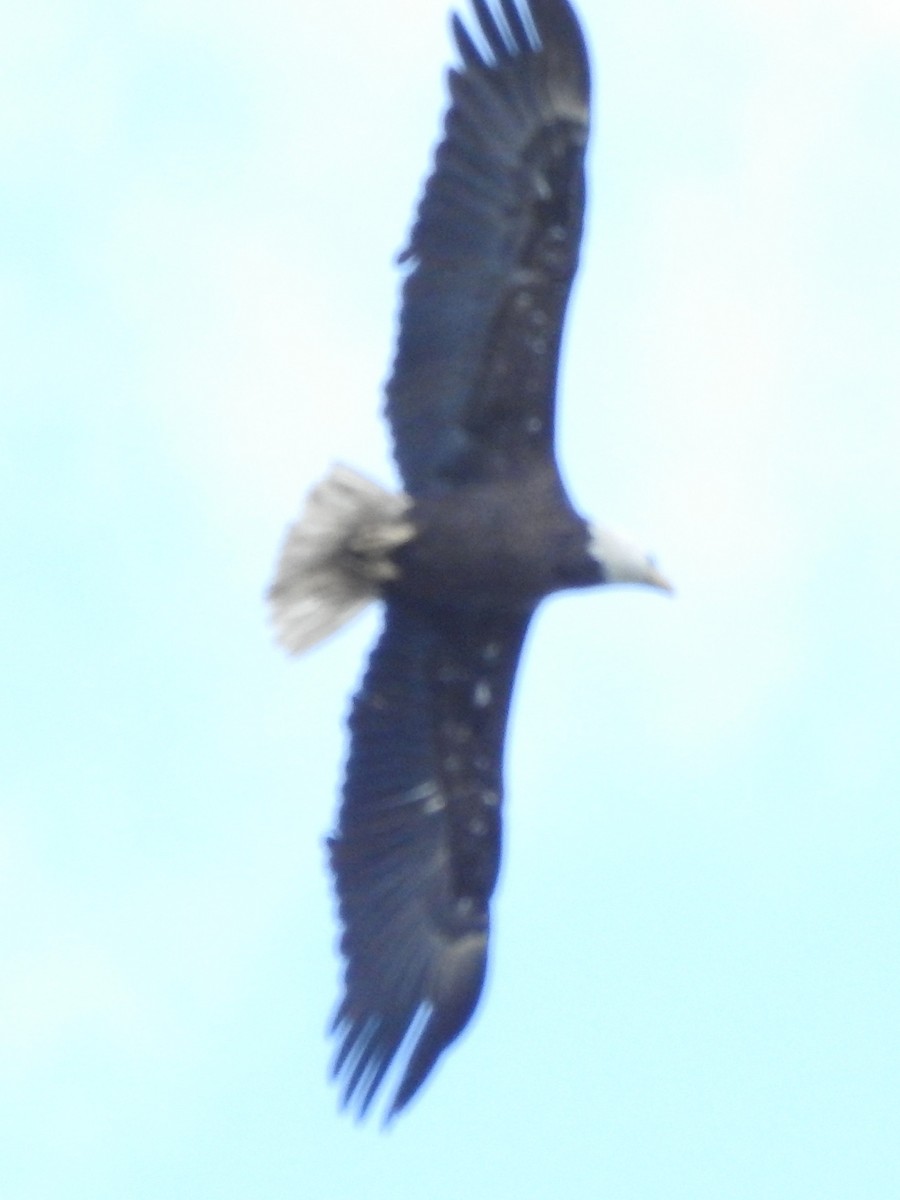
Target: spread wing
[[417, 849], [493, 252]]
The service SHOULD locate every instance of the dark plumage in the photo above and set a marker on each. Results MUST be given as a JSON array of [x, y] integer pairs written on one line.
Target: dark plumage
[[483, 531]]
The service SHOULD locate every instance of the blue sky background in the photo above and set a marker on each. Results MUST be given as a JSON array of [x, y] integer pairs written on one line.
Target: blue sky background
[[695, 986]]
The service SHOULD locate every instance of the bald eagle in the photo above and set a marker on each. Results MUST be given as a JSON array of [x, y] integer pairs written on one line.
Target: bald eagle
[[461, 559]]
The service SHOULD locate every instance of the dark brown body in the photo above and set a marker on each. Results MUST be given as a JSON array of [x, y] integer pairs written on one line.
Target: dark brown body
[[507, 545]]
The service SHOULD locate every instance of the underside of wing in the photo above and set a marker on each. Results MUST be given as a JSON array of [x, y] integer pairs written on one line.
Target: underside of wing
[[493, 252], [416, 852]]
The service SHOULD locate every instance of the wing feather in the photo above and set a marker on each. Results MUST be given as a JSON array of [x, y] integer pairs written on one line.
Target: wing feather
[[416, 852], [493, 251]]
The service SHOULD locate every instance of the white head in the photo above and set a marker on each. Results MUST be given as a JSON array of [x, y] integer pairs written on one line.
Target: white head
[[623, 561]]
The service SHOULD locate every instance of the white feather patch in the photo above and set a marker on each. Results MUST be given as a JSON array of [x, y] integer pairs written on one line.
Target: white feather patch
[[335, 557]]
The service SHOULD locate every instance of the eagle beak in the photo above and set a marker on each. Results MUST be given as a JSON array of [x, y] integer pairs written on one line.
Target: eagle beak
[[656, 579]]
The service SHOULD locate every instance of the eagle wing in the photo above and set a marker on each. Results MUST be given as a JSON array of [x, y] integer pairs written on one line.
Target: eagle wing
[[417, 849], [493, 252]]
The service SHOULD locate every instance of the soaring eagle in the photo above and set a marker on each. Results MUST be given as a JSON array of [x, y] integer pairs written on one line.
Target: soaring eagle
[[461, 559]]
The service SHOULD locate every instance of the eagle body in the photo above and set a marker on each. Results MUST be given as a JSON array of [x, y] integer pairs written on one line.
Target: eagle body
[[461, 558], [473, 543]]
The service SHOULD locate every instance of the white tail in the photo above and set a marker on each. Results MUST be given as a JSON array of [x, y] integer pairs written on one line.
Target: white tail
[[336, 557]]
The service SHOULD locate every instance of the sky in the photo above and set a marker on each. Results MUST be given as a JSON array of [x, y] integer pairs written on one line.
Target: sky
[[695, 979]]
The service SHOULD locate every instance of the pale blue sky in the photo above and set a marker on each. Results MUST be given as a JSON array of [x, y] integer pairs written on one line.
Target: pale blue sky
[[695, 987]]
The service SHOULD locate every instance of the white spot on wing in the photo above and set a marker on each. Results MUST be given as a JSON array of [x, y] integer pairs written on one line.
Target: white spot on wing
[[542, 187], [481, 696], [427, 794], [422, 791]]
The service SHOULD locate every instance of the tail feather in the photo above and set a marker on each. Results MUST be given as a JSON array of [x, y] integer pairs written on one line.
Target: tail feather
[[336, 557]]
